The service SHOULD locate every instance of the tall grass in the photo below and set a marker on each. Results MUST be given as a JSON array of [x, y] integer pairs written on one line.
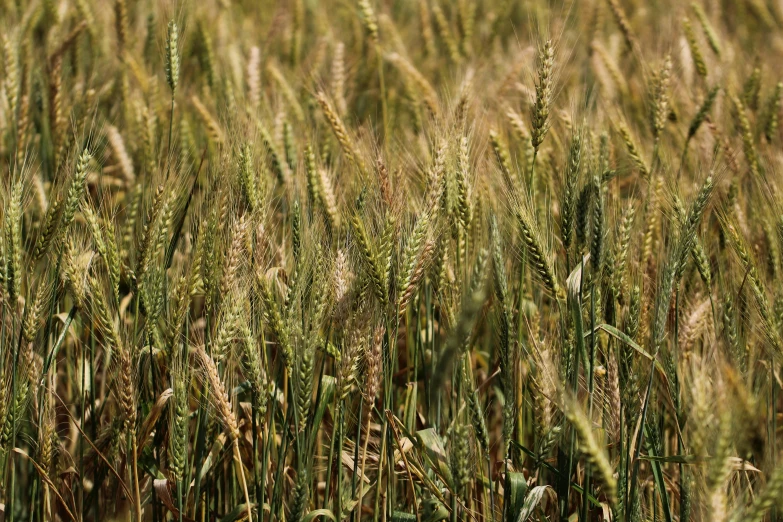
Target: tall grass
[[390, 261]]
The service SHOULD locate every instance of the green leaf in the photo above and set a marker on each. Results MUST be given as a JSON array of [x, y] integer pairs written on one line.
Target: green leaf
[[328, 386], [402, 516], [516, 491], [675, 459], [622, 337], [574, 284], [435, 454], [433, 511], [658, 476]]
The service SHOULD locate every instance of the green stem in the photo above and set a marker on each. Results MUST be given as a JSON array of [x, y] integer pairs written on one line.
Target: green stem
[[330, 461], [356, 457], [171, 131]]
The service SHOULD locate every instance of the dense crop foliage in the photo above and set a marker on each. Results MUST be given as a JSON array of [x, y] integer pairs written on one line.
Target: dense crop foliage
[[307, 260]]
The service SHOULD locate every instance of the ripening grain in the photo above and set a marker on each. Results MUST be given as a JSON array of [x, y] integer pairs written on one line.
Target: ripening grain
[[378, 261]]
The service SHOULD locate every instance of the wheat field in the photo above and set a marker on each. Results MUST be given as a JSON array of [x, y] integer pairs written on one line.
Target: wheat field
[[413, 261]]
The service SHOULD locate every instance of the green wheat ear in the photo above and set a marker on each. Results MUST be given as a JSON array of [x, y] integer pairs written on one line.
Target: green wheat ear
[[693, 45], [703, 112], [12, 242], [773, 113], [569, 190], [709, 32], [540, 258], [544, 91], [75, 190], [172, 56]]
